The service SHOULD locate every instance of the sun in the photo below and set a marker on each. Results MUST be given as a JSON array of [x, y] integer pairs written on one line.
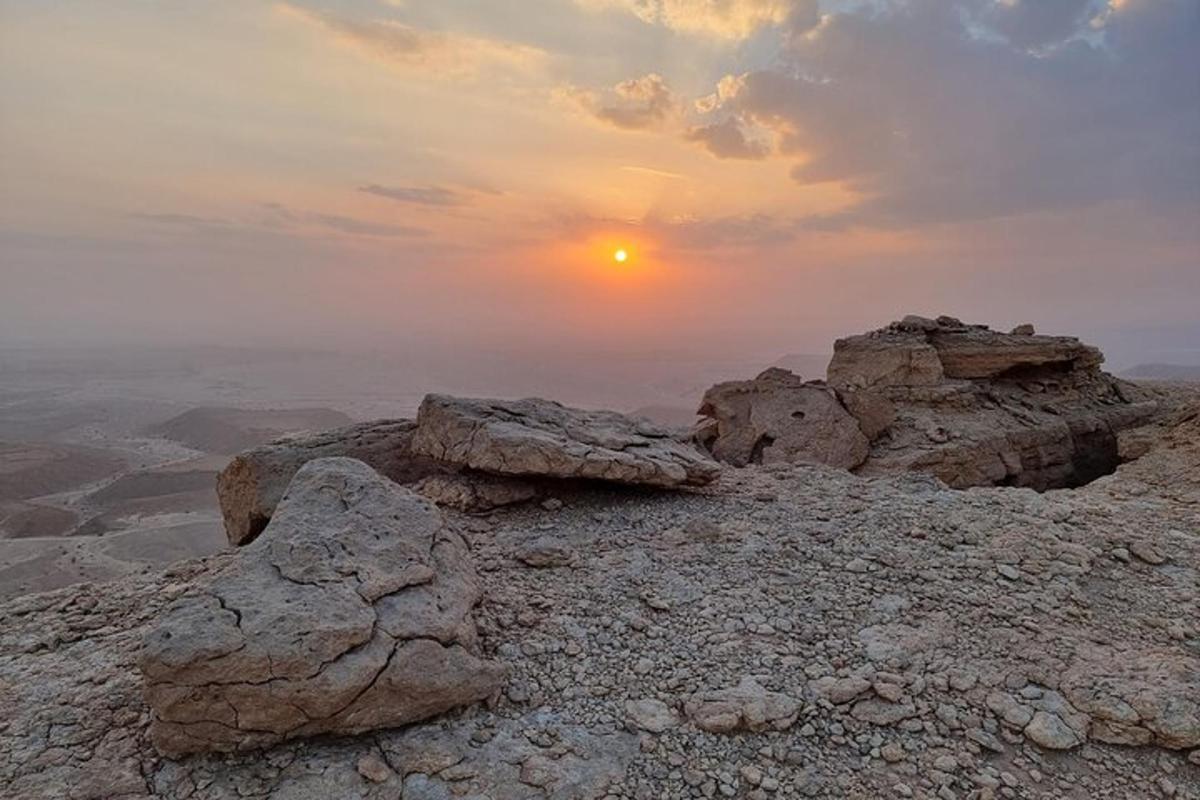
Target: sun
[[621, 256]]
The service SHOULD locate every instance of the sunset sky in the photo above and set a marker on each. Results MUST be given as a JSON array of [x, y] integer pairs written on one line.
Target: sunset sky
[[461, 172]]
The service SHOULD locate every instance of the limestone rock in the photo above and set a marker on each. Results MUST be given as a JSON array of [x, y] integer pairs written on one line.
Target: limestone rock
[[541, 438], [1050, 731], [878, 361], [252, 484], [651, 715], [977, 407], [1138, 697], [545, 551], [747, 706], [778, 418], [350, 612], [475, 492]]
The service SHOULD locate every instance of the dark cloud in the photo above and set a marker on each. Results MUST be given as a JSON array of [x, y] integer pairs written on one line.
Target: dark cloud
[[1034, 24], [282, 216], [186, 220], [417, 195], [940, 112], [728, 139]]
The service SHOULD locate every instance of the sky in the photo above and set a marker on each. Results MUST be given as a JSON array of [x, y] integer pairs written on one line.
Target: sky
[[458, 174]]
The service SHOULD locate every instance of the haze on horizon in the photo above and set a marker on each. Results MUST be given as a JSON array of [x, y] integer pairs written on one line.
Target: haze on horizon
[[458, 174]]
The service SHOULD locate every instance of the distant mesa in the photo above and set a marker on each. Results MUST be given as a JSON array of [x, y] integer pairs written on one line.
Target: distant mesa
[[229, 430], [1189, 373]]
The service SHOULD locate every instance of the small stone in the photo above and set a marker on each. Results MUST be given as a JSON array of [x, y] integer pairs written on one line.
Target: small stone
[[374, 768], [1147, 551], [1049, 731], [1009, 571], [651, 715], [892, 752]]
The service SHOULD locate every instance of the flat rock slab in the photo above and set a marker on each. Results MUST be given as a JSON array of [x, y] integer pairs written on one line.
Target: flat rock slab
[[543, 438], [252, 484], [351, 612]]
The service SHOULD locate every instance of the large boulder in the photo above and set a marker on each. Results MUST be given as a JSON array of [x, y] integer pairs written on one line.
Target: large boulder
[[542, 438], [350, 612], [977, 407], [779, 418], [252, 484]]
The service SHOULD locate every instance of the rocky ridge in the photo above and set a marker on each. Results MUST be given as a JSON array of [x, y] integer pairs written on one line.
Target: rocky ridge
[[972, 406], [791, 630]]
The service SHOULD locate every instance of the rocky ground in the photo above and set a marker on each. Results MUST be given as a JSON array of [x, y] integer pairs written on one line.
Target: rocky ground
[[790, 631]]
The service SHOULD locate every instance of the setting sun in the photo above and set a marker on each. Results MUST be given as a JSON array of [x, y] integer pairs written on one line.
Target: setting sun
[[621, 256]]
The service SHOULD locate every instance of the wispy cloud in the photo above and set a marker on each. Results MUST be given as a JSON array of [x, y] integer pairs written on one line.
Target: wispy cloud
[[282, 215], [658, 173], [438, 196], [441, 54]]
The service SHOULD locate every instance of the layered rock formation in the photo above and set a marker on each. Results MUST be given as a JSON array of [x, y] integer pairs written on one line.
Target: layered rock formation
[[352, 611], [972, 406], [546, 439], [470, 455]]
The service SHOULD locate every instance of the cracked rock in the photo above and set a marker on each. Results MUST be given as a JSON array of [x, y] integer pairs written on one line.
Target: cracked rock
[[542, 438], [747, 706], [351, 612], [253, 483]]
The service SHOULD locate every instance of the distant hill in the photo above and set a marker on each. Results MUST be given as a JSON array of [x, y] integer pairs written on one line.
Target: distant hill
[[1164, 372], [33, 469], [667, 416], [231, 430]]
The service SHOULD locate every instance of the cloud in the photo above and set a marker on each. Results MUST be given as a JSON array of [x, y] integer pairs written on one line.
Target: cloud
[[282, 216], [184, 220], [720, 19], [1035, 24], [931, 122], [728, 139], [417, 195], [440, 53], [635, 104]]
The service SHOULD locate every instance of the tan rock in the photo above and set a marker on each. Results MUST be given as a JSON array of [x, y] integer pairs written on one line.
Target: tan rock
[[778, 418], [475, 492], [350, 612], [977, 407], [541, 438], [253, 483], [747, 706]]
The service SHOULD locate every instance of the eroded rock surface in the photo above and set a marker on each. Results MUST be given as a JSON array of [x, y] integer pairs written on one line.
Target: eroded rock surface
[[977, 407], [251, 486], [351, 612], [547, 439], [779, 418], [948, 642]]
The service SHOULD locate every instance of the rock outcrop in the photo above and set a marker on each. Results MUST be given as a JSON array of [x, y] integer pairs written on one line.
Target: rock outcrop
[[542, 438], [900, 634], [977, 407], [251, 486], [350, 612], [779, 418], [974, 407]]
